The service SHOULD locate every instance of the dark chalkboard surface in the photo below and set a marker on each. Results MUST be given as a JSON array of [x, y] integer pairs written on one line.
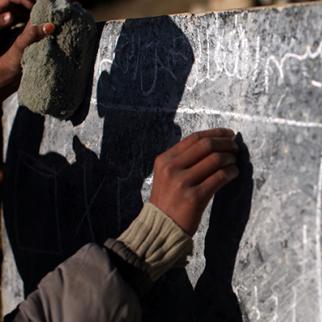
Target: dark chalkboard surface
[[159, 79]]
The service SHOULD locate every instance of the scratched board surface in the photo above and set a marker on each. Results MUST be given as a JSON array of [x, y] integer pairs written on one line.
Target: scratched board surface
[[156, 80]]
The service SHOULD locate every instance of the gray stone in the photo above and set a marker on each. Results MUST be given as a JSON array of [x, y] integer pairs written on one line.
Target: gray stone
[[56, 70], [156, 80]]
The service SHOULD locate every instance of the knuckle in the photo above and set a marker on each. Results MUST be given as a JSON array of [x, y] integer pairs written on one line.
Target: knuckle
[[168, 170], [225, 132], [193, 196], [30, 35], [165, 165], [227, 174], [3, 20], [196, 136], [181, 182], [221, 131], [224, 158], [33, 33], [230, 158], [215, 158], [206, 143], [22, 42], [19, 43], [223, 175], [159, 162]]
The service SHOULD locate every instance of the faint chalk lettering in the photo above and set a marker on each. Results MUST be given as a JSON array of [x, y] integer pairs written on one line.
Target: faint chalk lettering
[[318, 240], [279, 64]]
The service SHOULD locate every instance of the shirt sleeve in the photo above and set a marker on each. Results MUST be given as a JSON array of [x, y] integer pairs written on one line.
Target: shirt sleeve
[[86, 287], [103, 284]]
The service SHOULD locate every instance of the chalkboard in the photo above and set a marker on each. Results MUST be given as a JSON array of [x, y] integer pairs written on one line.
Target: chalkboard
[[155, 81]]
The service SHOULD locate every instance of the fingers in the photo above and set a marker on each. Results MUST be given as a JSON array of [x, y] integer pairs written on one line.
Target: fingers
[[10, 62], [5, 19], [208, 166], [202, 148], [4, 4], [30, 35], [186, 178], [218, 180], [195, 137], [9, 13]]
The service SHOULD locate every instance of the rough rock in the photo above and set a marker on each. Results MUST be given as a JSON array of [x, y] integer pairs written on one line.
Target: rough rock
[[56, 69]]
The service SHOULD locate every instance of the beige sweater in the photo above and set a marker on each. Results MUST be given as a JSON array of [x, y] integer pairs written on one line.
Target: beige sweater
[[157, 239]]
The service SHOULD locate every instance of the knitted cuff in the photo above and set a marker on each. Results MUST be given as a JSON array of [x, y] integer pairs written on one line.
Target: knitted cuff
[[158, 240]]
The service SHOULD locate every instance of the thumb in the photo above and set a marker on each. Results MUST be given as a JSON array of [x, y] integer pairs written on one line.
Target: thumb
[[30, 35]]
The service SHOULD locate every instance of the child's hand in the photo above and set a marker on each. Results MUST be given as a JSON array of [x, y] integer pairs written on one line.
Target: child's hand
[[10, 61], [188, 174]]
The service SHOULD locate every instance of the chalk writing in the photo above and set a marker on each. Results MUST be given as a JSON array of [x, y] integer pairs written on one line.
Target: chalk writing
[[318, 240], [280, 64]]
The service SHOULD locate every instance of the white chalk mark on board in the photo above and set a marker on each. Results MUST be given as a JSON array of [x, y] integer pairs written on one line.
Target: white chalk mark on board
[[151, 87], [281, 100], [208, 111], [105, 65], [304, 242], [247, 117], [294, 304], [304, 236], [318, 241], [257, 59], [256, 310], [289, 309], [275, 317], [308, 54], [149, 180], [316, 83]]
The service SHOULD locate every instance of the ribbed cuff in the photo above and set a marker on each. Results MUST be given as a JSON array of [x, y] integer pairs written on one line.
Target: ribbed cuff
[[158, 240]]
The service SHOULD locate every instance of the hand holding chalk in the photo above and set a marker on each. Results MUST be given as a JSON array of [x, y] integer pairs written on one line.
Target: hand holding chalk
[[188, 174]]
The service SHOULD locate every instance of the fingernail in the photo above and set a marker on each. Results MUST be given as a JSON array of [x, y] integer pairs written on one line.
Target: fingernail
[[7, 17], [48, 28]]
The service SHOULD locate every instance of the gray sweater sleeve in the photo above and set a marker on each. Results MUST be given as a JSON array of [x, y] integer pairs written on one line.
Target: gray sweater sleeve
[[86, 287], [103, 284]]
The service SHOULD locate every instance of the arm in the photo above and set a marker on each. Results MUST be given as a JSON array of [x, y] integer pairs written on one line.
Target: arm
[[105, 283], [11, 47]]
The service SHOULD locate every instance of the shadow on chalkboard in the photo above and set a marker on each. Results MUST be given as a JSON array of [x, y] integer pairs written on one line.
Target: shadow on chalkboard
[[51, 207], [138, 99], [214, 297], [41, 197], [80, 114]]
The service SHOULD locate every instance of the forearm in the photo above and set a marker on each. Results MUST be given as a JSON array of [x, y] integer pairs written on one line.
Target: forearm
[[86, 287]]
